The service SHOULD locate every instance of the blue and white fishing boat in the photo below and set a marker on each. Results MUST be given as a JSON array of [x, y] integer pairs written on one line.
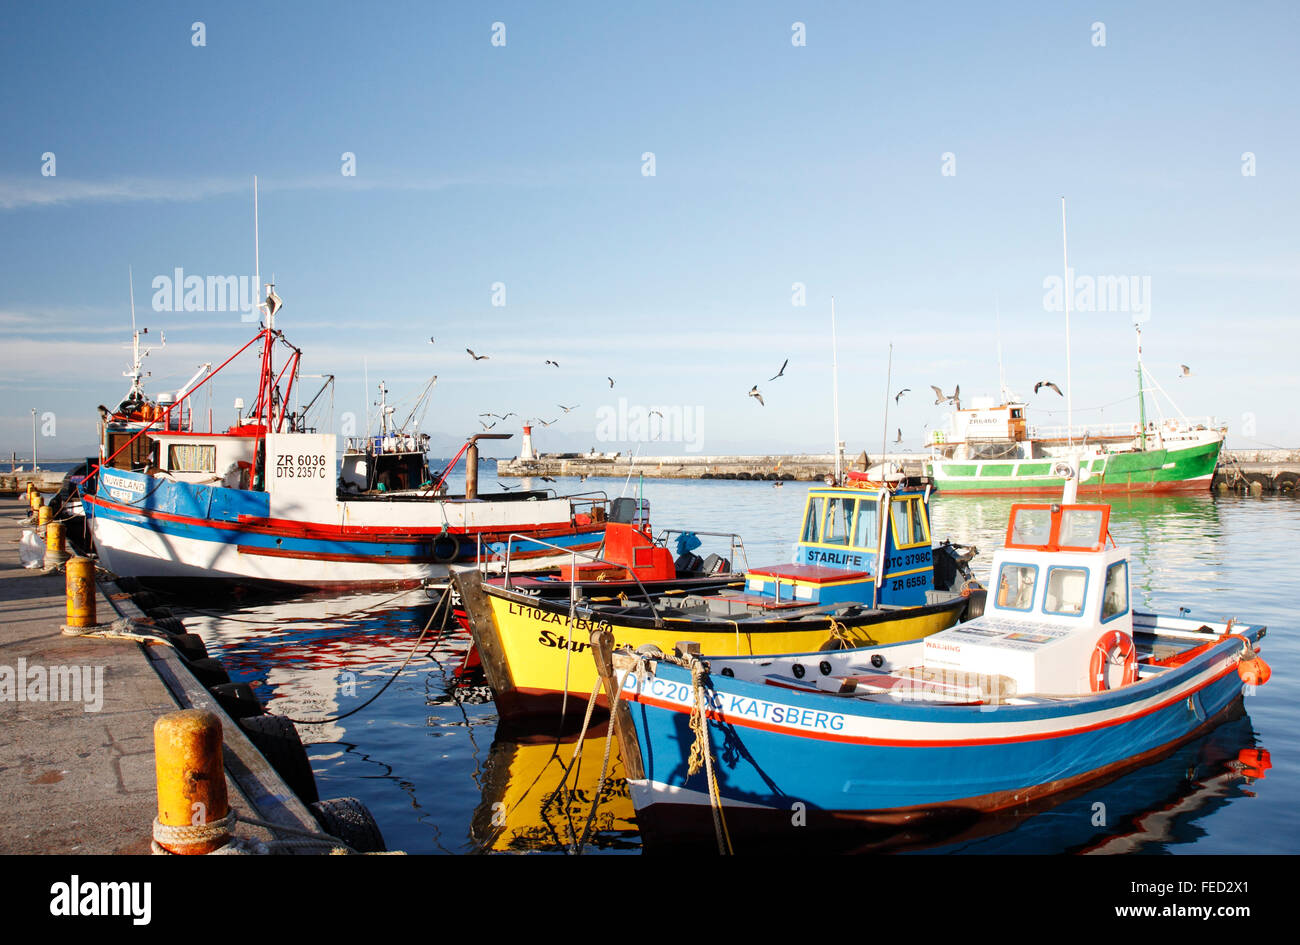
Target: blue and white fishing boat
[[267, 501], [1058, 684]]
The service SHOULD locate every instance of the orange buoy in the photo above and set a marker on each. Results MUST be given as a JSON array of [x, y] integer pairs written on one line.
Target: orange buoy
[[1254, 671], [1115, 639]]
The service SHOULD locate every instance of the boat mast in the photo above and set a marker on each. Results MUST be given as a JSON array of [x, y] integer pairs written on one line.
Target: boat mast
[[835, 390], [1142, 402], [1069, 392]]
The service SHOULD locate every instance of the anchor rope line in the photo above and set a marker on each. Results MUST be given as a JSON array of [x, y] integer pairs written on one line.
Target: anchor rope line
[[186, 834]]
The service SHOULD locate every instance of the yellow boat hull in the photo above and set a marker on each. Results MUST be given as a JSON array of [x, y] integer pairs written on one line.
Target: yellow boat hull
[[537, 660]]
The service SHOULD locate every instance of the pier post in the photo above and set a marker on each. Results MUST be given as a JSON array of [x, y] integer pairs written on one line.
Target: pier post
[[191, 781], [81, 592]]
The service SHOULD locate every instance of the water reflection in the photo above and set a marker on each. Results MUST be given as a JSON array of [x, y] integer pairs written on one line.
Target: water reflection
[[539, 797]]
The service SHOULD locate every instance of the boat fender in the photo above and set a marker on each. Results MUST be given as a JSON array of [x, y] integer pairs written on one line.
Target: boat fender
[[1254, 671], [1113, 640], [825, 667], [445, 548], [728, 672], [877, 660], [651, 652], [798, 670]]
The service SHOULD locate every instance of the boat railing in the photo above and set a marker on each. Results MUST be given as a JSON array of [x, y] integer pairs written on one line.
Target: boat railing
[[574, 555], [1166, 427], [737, 543]]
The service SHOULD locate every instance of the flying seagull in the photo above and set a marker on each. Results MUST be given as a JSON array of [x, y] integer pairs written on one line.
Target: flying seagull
[[955, 396], [1041, 384], [1187, 372], [901, 393], [611, 381], [431, 341], [567, 409], [504, 486], [656, 413], [900, 436], [476, 357], [757, 396], [486, 426], [549, 361], [781, 372]]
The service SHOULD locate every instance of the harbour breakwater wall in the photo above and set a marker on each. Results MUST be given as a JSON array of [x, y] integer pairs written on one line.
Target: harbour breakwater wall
[[791, 467], [1270, 470]]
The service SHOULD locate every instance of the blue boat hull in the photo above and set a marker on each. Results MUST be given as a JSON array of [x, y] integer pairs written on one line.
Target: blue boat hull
[[803, 759]]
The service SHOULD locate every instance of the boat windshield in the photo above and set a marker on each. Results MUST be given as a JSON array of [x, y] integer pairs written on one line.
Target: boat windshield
[[839, 521], [1065, 591], [1032, 527], [1016, 586], [866, 534], [1114, 600], [1081, 528], [812, 524]]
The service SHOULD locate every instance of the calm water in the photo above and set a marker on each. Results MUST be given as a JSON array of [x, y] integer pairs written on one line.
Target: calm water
[[428, 759]]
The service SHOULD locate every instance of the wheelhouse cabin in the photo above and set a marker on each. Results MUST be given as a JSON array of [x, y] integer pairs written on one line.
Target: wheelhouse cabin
[[1057, 594], [842, 548]]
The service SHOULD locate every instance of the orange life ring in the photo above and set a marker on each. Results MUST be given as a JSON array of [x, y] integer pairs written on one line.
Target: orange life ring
[[1101, 656]]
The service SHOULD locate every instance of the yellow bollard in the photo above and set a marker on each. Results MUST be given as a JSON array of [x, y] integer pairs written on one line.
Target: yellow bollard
[[34, 500], [191, 779], [81, 592], [55, 552], [44, 515]]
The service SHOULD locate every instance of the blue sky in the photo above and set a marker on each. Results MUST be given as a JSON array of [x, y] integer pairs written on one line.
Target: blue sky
[[775, 164]]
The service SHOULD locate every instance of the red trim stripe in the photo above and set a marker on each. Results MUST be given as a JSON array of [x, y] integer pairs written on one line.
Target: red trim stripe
[[935, 743]]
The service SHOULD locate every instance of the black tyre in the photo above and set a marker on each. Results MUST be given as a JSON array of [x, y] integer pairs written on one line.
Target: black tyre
[[190, 646], [237, 700], [207, 671], [349, 820], [276, 738]]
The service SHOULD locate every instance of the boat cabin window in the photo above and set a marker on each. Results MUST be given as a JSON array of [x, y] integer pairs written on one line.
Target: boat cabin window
[[867, 532], [839, 521], [1114, 599], [909, 522], [812, 524], [1016, 586], [1081, 528], [1032, 527], [1066, 588], [192, 457]]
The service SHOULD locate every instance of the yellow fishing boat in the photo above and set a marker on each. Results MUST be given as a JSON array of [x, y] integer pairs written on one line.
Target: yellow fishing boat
[[534, 649]]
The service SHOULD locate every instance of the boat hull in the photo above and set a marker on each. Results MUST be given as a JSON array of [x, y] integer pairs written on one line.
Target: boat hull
[[538, 660], [1189, 469], [175, 532], [901, 765]]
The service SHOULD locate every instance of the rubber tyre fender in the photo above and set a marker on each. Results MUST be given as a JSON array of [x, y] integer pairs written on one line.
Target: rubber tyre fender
[[237, 700], [208, 671], [349, 820], [189, 645], [276, 738]]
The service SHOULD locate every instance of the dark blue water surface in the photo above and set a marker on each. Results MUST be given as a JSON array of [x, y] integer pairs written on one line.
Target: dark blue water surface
[[428, 759]]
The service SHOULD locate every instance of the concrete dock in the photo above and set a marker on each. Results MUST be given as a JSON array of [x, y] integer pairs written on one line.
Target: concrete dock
[[77, 773]]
